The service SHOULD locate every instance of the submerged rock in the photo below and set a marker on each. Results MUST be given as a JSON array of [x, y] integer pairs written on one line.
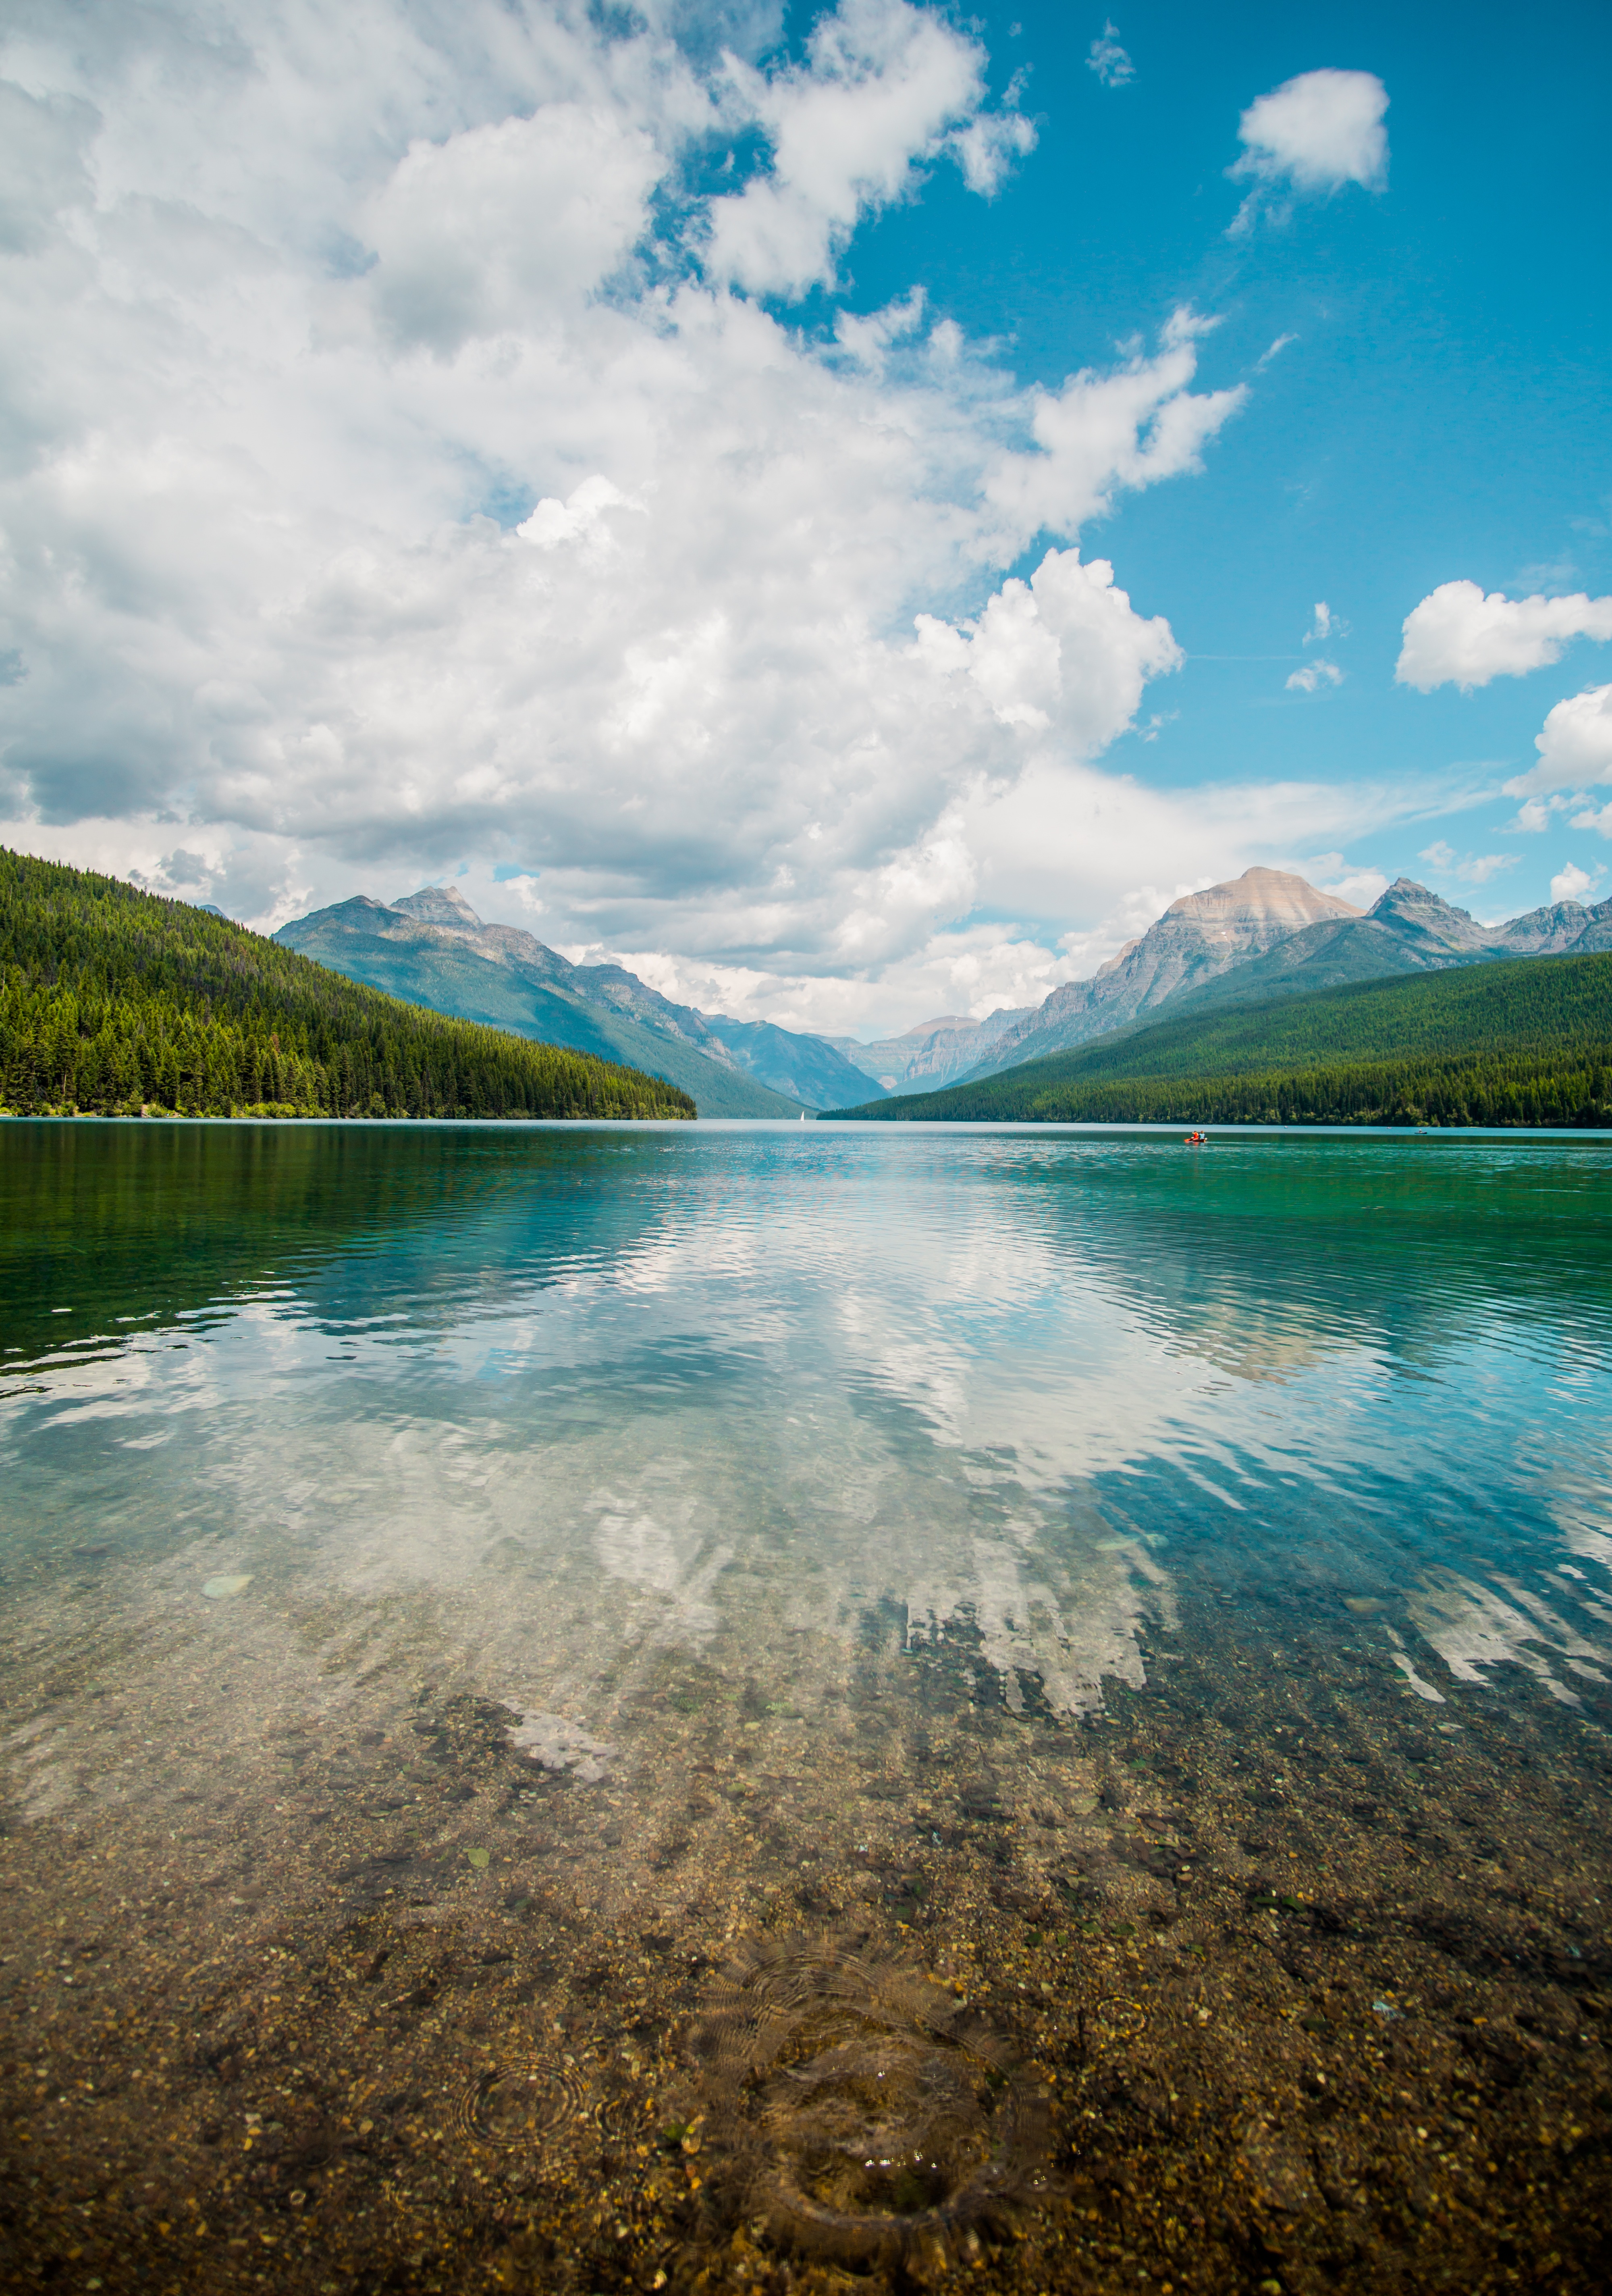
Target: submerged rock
[[560, 1745]]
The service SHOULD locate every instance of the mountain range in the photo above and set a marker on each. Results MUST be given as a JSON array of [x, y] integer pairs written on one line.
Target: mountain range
[[934, 1053], [1269, 934], [1518, 1042], [430, 947], [1264, 935]]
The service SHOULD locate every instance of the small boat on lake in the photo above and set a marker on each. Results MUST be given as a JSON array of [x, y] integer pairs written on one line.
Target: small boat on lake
[[1196, 1140]]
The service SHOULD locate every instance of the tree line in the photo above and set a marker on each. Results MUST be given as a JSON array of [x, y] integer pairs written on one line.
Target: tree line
[[1481, 1089], [118, 1002]]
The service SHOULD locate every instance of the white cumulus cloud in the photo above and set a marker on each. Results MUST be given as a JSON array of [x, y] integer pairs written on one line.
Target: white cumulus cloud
[[1458, 637], [883, 87], [1535, 816], [1064, 652], [1314, 134], [1575, 746], [1102, 432], [395, 483], [484, 233], [986, 148], [1572, 883]]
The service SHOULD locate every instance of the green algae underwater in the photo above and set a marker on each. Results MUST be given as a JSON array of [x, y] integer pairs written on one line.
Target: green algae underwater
[[744, 1707]]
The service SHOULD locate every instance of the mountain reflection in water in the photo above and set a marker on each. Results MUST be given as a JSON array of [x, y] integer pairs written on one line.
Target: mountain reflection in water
[[1097, 1658]]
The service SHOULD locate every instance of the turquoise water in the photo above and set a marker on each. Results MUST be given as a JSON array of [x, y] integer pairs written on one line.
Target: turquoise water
[[982, 1559]]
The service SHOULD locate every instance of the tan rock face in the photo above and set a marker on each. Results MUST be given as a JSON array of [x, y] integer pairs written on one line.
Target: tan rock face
[[1202, 933], [1260, 903]]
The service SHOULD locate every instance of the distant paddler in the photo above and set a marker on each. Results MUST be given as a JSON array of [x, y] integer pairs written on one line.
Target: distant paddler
[[1196, 1140]]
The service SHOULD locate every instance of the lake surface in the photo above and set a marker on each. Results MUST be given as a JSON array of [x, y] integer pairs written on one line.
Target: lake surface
[[815, 1706]]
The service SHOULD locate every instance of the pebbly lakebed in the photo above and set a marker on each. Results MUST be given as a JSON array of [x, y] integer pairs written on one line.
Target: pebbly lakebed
[[804, 1708]]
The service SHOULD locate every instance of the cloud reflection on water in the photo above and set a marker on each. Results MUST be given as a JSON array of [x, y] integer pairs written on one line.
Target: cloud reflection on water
[[569, 1397]]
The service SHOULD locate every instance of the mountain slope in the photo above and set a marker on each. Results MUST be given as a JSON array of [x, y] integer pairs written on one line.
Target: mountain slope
[[808, 1069], [1408, 929], [1198, 938], [1529, 1036], [431, 948], [417, 947], [115, 1001]]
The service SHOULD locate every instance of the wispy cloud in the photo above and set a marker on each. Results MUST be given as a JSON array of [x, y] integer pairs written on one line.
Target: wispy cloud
[[1110, 60], [1315, 676], [1327, 625], [1466, 868]]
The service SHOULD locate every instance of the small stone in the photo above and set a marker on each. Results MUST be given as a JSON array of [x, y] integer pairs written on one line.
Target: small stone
[[218, 1590]]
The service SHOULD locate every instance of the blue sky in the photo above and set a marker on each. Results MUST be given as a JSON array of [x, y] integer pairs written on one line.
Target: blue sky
[[1441, 408], [631, 466]]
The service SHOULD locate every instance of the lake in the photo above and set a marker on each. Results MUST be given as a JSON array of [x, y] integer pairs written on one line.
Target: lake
[[804, 1707]]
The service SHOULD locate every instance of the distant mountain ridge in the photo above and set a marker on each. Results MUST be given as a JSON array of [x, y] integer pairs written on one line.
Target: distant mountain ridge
[[1267, 934], [430, 947], [1270, 934], [933, 1052]]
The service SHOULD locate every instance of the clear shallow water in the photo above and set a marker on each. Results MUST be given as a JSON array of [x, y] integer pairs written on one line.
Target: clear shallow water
[[598, 1581]]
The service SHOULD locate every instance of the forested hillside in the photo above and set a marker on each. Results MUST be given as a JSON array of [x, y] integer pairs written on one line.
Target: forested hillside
[[112, 1001], [1529, 1042], [431, 948]]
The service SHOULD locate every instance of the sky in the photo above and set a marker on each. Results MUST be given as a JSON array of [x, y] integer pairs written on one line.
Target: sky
[[847, 510]]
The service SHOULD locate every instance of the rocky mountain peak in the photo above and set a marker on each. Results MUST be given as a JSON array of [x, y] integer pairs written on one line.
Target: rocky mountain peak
[[1261, 901], [440, 906], [1547, 932], [1198, 937], [1412, 910]]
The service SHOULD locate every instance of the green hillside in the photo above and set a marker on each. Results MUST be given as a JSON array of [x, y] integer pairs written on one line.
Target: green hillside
[[112, 1001], [1525, 1042]]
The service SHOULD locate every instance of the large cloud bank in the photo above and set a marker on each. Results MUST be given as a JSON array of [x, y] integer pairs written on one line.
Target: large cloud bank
[[404, 466]]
